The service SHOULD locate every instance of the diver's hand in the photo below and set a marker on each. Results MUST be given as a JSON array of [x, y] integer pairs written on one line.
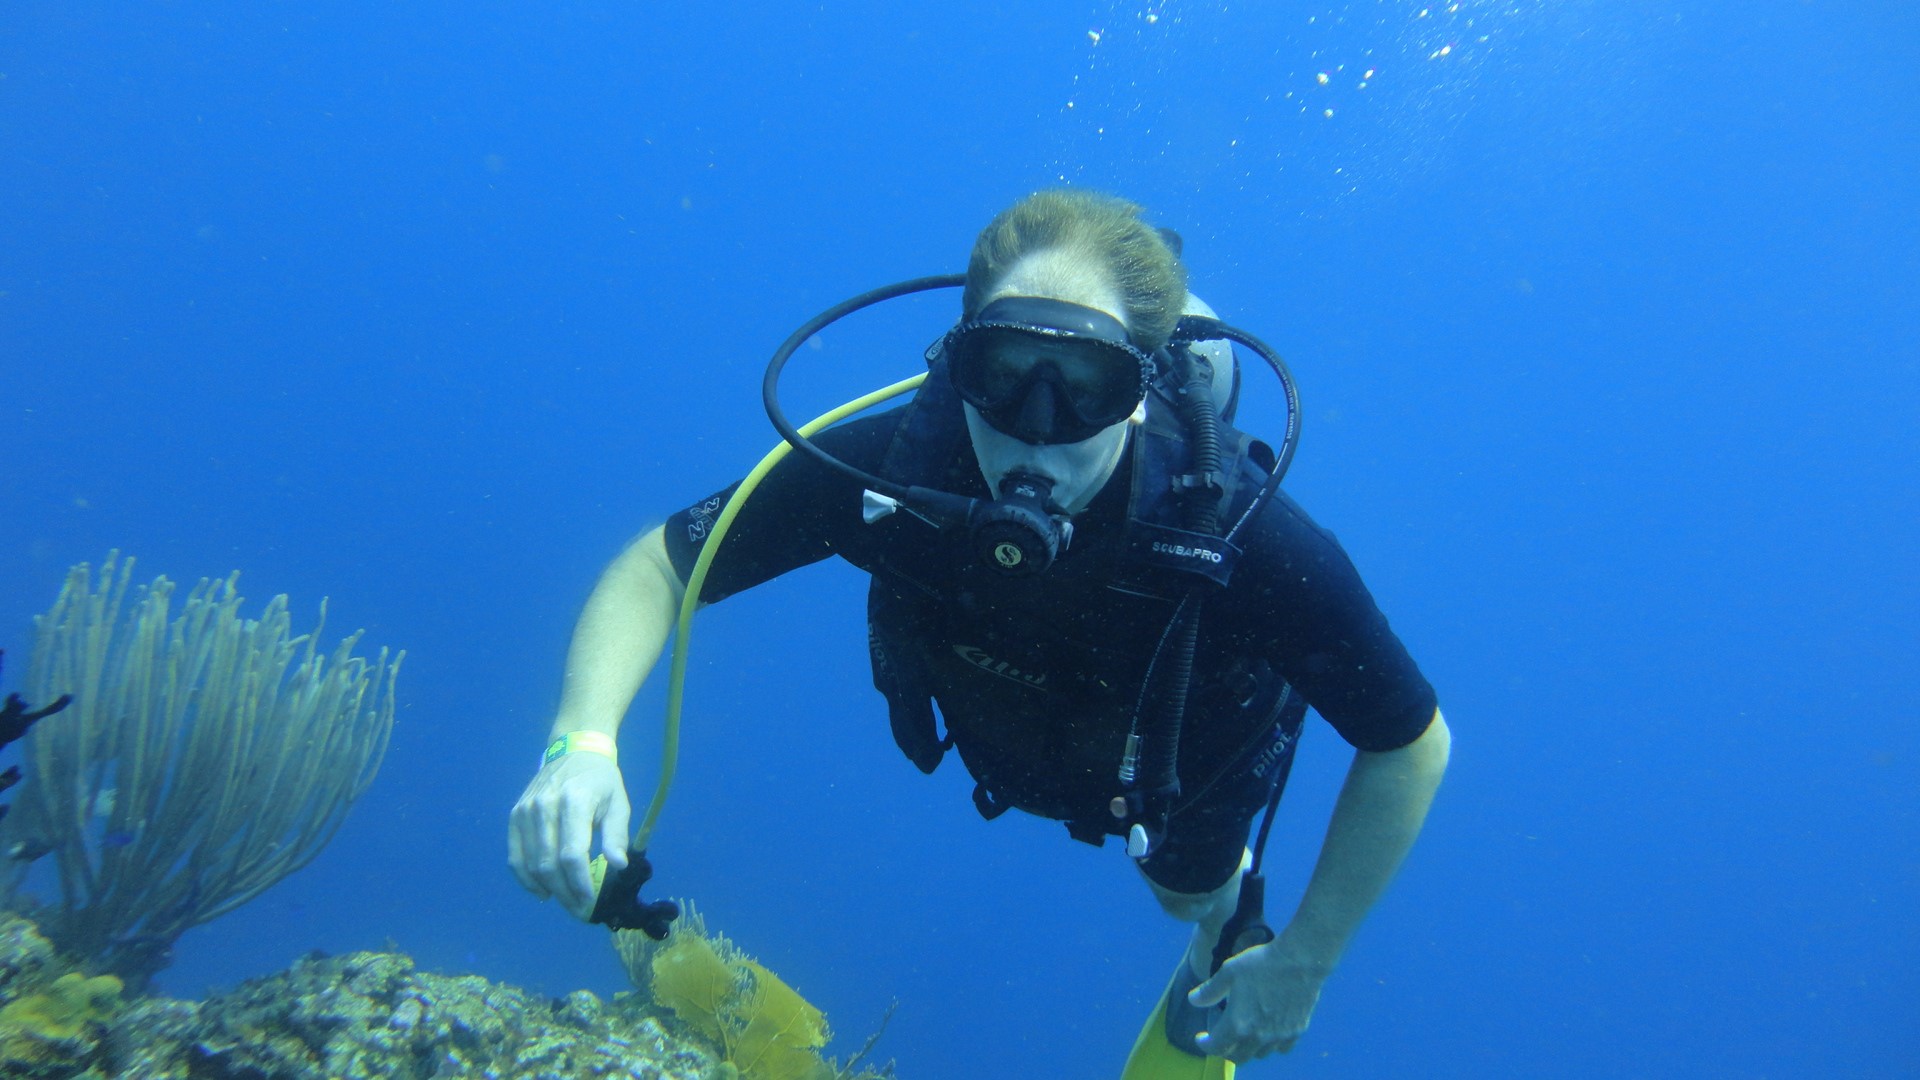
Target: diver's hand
[[1270, 993], [551, 830]]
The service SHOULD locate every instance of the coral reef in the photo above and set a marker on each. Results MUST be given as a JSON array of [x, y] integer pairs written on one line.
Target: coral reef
[[363, 1015]]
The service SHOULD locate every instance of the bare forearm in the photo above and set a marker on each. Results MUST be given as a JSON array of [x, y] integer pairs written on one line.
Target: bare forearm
[[1375, 822], [619, 637]]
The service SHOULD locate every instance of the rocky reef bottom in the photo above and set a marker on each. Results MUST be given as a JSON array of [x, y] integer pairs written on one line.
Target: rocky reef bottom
[[365, 1014]]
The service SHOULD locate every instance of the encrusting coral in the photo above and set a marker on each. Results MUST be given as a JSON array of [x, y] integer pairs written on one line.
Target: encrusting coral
[[41, 1026], [360, 1016]]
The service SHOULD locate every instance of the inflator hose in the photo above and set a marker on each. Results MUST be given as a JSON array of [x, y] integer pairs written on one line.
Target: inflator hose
[[683, 627], [617, 901]]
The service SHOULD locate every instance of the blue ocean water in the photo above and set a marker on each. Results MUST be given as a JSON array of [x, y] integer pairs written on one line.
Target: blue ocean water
[[1604, 316]]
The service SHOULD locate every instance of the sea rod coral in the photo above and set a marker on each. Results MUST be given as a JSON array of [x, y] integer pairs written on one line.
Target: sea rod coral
[[205, 757]]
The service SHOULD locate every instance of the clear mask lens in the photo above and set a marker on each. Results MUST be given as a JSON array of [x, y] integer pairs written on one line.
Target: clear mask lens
[[1089, 383]]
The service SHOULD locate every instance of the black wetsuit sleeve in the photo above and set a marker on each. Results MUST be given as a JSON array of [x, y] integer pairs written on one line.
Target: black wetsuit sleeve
[[1320, 627], [802, 512]]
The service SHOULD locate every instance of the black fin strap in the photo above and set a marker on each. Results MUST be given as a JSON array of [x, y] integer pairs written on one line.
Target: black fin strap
[[1247, 926]]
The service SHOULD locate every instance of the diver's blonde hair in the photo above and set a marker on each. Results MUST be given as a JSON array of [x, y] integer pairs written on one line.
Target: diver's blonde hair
[[1106, 232]]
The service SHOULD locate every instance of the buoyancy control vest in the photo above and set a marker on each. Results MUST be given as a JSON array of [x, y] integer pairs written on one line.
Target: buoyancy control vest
[[1040, 679]]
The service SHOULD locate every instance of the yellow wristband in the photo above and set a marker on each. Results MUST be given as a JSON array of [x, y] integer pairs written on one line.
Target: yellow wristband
[[573, 742]]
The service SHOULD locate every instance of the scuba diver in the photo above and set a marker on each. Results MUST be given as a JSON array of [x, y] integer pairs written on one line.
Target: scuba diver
[[1095, 578]]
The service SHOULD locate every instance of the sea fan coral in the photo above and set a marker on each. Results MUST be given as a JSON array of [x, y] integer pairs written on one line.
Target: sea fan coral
[[760, 1025]]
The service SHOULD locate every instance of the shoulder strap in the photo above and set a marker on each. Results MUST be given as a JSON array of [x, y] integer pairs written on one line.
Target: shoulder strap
[[1156, 540], [899, 613]]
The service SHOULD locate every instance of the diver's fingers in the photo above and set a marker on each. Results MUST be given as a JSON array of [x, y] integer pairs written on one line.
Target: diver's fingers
[[1241, 1050], [1226, 1036], [1217, 1046], [523, 846], [613, 832], [575, 824], [1230, 1042], [516, 853], [1213, 991], [549, 810]]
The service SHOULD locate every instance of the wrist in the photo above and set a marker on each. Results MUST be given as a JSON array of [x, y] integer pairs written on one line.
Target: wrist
[[1306, 952]]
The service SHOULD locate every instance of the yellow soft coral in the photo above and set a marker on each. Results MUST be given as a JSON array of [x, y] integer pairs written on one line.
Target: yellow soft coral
[[763, 1027], [690, 977], [783, 1034]]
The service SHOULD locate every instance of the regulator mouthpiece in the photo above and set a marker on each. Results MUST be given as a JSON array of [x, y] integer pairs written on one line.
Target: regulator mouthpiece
[[1023, 531]]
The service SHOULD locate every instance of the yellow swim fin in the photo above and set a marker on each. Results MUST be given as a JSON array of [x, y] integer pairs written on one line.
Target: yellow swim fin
[[1155, 1057]]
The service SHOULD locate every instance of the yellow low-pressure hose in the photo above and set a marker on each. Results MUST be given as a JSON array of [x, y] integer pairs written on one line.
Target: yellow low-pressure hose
[[683, 628]]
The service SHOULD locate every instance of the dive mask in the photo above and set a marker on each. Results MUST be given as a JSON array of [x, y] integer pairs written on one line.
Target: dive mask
[[1046, 371]]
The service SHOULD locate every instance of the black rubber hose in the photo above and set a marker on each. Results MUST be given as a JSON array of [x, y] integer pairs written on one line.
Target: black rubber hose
[[770, 384], [1200, 511]]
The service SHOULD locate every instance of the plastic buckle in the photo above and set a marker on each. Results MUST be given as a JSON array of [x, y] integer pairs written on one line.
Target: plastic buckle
[[1138, 845]]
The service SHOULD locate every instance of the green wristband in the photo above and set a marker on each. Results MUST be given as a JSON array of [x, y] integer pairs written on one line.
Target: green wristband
[[573, 742]]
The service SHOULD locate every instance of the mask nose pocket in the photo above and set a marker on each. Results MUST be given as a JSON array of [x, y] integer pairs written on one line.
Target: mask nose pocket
[[1035, 422]]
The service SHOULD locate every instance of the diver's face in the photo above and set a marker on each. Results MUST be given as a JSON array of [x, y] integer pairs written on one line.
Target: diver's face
[[1078, 470]]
